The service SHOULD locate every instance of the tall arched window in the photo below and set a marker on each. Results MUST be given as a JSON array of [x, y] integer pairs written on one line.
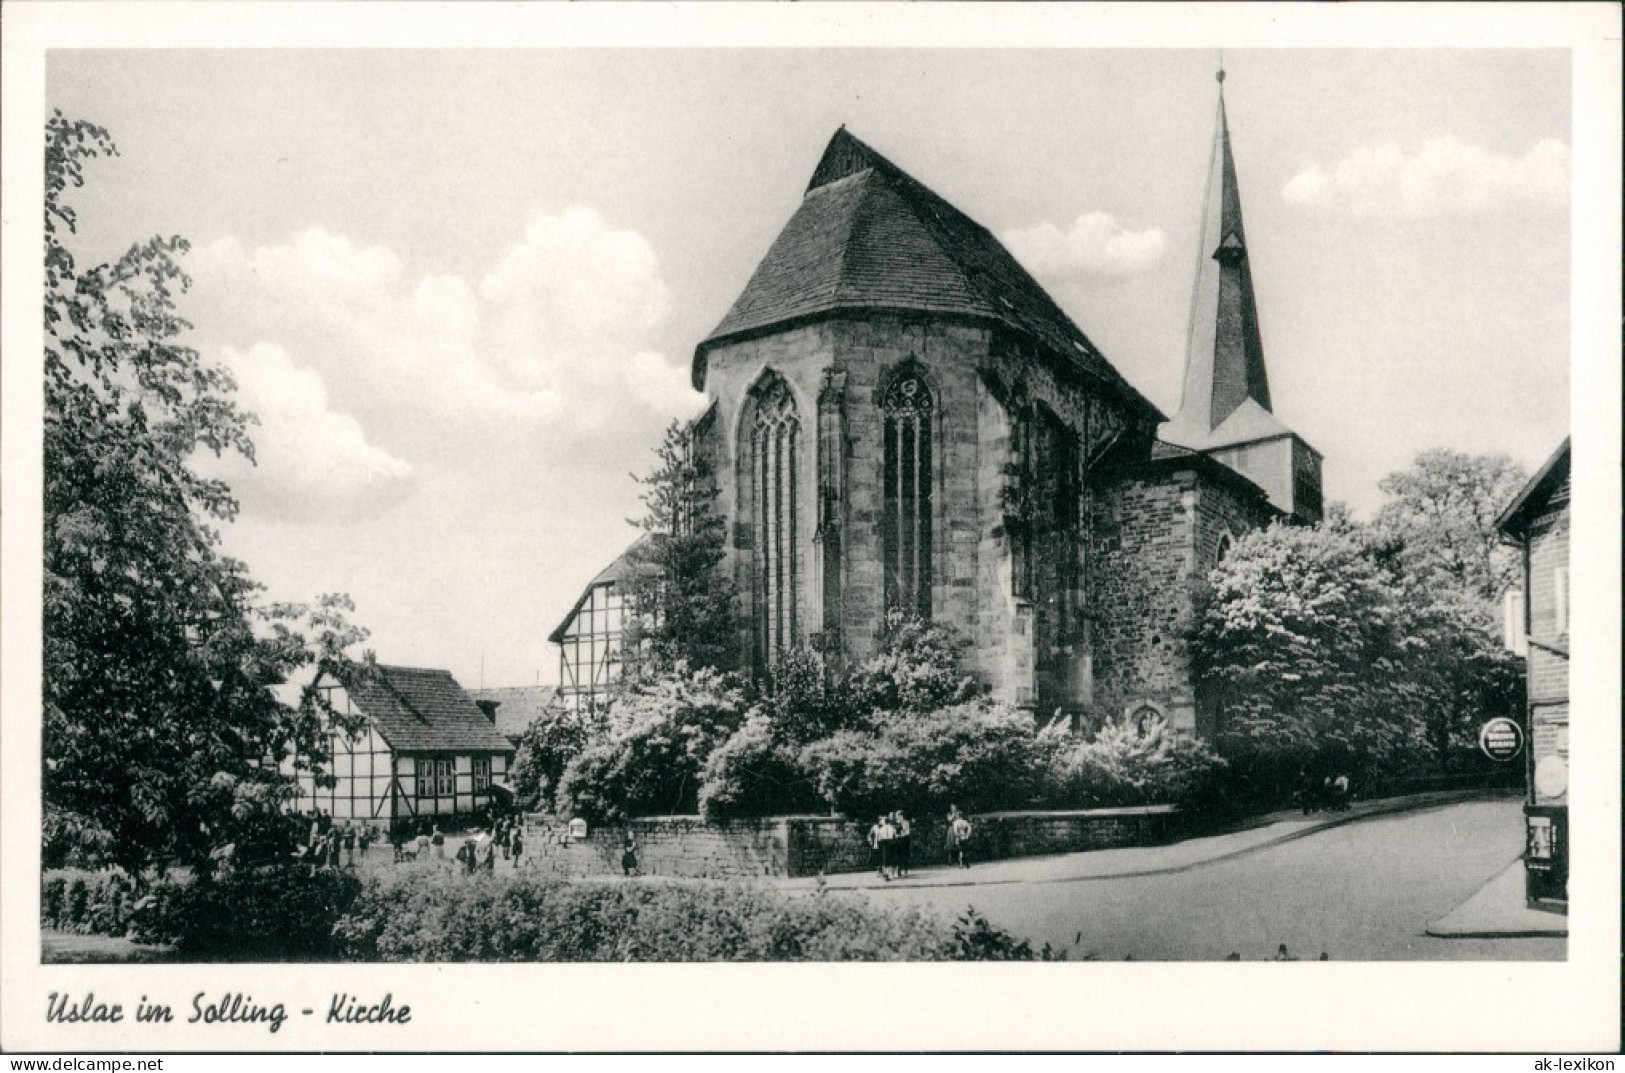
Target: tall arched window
[[775, 481], [906, 500]]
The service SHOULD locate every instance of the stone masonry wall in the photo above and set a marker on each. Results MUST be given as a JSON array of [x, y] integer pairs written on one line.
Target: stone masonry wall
[[1143, 533], [817, 845]]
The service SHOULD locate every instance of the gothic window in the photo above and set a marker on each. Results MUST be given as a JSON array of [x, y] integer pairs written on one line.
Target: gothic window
[[908, 478], [775, 482]]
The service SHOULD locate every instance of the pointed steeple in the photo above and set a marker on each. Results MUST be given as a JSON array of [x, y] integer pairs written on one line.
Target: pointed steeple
[[1224, 354], [1225, 410]]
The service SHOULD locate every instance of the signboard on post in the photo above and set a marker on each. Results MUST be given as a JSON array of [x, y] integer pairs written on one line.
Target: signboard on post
[[1501, 739]]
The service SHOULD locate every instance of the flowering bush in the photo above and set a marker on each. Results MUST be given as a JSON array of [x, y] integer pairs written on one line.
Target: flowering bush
[[977, 754], [661, 729], [1125, 764], [757, 772]]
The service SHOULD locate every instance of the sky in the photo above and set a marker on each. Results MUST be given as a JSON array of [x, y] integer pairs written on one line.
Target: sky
[[462, 289]]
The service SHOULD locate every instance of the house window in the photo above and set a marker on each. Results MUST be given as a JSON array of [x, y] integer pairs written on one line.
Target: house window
[[906, 522], [774, 446], [435, 778], [482, 773]]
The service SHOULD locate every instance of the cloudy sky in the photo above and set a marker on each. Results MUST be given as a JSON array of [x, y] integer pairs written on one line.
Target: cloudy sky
[[462, 288]]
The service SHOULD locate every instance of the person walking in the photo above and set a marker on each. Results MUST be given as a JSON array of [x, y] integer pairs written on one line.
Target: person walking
[[516, 844], [880, 840], [903, 842], [438, 841], [959, 834], [629, 855], [349, 845]]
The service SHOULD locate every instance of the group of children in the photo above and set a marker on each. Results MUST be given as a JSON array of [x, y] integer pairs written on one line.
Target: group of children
[[891, 842], [328, 846], [478, 851]]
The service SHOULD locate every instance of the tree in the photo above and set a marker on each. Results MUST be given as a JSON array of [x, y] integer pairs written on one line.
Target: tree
[[1438, 525], [162, 734], [683, 603], [1305, 641]]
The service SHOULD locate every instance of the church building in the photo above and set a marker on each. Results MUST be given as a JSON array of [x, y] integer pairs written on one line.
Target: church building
[[902, 420]]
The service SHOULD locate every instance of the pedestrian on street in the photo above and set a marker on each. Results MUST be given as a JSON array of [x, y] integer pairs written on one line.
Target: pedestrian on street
[[629, 855], [438, 841], [349, 845], [959, 834], [465, 856], [903, 842], [880, 840], [516, 839]]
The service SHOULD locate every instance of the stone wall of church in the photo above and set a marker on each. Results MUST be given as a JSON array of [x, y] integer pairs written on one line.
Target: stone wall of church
[[800, 356], [869, 350], [1156, 534]]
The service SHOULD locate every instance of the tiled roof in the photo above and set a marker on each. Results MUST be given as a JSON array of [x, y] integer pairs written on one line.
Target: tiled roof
[[870, 237], [517, 706], [419, 710]]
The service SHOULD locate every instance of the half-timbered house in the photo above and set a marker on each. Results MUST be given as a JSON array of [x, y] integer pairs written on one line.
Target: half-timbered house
[[427, 752]]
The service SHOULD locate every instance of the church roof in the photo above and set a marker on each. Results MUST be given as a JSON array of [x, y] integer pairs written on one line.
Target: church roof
[[1247, 423], [418, 710], [1224, 352], [868, 236]]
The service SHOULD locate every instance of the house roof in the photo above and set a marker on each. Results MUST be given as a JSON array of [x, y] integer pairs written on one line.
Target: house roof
[[420, 710], [868, 236], [1514, 521], [517, 706], [620, 568]]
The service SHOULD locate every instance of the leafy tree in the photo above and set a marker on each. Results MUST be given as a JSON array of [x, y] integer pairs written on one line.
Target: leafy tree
[[548, 745], [661, 729], [1304, 639], [685, 610], [162, 736], [1438, 525]]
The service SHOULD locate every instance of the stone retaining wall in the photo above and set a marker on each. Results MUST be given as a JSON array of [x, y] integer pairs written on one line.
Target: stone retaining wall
[[814, 845]]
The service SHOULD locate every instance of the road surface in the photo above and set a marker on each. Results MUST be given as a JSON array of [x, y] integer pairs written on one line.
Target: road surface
[[1363, 891]]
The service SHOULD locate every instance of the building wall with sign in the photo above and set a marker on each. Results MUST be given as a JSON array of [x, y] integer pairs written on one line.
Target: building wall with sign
[[1538, 522]]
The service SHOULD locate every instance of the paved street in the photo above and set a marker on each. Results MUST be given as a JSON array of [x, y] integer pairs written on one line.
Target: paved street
[[1364, 890]]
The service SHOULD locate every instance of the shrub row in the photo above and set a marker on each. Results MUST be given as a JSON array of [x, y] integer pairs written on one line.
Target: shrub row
[[87, 903], [291, 913]]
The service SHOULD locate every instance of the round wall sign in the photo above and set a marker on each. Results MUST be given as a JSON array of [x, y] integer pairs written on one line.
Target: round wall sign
[[1551, 776], [1501, 739]]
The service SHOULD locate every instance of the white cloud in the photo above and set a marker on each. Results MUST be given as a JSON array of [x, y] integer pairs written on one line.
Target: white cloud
[[558, 331], [1445, 176], [313, 463], [1096, 245]]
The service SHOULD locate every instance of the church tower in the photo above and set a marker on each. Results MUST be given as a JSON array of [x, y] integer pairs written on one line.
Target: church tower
[[1225, 409]]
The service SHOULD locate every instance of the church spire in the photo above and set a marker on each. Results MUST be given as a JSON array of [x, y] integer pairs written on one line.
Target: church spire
[[1224, 355]]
